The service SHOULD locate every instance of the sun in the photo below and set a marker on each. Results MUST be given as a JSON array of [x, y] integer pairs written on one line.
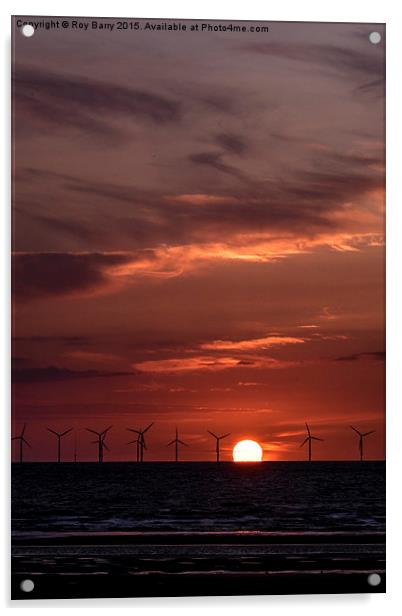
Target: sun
[[247, 451]]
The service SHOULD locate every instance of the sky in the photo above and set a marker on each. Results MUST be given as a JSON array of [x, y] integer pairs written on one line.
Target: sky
[[198, 239]]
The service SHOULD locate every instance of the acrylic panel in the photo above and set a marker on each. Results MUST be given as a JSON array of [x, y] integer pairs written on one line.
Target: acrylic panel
[[198, 307]]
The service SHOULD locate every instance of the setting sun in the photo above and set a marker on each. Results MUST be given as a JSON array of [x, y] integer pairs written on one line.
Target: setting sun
[[247, 451]]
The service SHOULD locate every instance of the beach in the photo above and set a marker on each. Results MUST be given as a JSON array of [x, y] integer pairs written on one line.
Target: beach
[[159, 544]]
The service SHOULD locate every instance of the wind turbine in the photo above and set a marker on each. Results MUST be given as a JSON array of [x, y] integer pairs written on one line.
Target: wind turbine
[[75, 447], [59, 437], [361, 440], [218, 440], [100, 441], [21, 438], [137, 440], [310, 438], [140, 441], [176, 441]]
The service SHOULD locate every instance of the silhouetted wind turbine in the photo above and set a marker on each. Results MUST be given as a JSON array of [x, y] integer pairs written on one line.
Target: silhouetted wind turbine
[[310, 438], [59, 437], [361, 440], [218, 440], [137, 440], [75, 447], [141, 441], [176, 441], [100, 441], [21, 438]]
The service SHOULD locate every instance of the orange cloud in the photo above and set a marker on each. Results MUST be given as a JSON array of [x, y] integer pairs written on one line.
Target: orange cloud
[[256, 343], [187, 364], [173, 261], [201, 199], [78, 274], [209, 363], [309, 327]]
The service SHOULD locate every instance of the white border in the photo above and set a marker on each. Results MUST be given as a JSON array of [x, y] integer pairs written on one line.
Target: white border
[[388, 11]]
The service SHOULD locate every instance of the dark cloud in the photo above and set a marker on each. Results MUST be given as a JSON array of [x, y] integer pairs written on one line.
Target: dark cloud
[[73, 340], [375, 355], [333, 188], [357, 160], [334, 58], [88, 105], [214, 160], [375, 87], [54, 274], [220, 103], [303, 203], [234, 144], [288, 138], [63, 226], [54, 373]]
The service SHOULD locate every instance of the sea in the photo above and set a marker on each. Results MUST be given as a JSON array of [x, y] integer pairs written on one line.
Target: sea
[[198, 519]]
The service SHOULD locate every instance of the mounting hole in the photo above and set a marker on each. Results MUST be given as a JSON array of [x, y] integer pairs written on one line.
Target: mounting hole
[[375, 38], [28, 30], [374, 579], [27, 585]]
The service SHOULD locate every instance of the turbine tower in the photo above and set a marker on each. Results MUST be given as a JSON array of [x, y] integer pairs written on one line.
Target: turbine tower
[[176, 441], [308, 439], [21, 438], [75, 447], [100, 441], [59, 436], [362, 435], [140, 441], [137, 440], [218, 440]]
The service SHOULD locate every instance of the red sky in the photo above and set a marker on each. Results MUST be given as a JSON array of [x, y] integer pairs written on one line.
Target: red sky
[[199, 239]]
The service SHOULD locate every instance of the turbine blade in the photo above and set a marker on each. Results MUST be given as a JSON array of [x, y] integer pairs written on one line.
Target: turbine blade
[[107, 430], [15, 438], [132, 430], [66, 432], [171, 443], [356, 430], [23, 429], [304, 442], [148, 427], [308, 429], [53, 431], [367, 433], [26, 442], [225, 435], [93, 431], [315, 438], [106, 447], [182, 442], [212, 434]]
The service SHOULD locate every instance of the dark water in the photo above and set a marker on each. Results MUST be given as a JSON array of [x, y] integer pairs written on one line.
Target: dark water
[[119, 529], [188, 497]]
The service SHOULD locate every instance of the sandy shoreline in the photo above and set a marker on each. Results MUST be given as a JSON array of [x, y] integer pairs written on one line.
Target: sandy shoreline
[[179, 538], [75, 565]]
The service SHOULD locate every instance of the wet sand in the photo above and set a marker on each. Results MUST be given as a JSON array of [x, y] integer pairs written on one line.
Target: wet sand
[[172, 564]]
